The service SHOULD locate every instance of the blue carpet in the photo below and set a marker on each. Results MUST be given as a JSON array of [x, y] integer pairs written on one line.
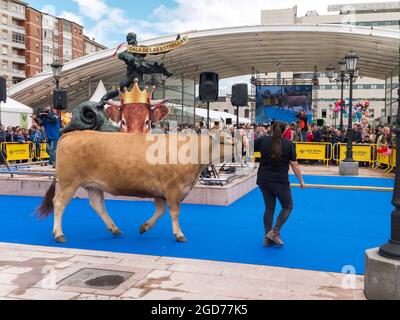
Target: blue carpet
[[329, 229]]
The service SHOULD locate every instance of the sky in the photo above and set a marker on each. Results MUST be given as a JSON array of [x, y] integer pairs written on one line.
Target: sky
[[108, 21]]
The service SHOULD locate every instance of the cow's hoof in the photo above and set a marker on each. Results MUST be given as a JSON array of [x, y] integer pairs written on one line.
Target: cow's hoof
[[143, 228], [116, 232], [60, 239], [181, 239]]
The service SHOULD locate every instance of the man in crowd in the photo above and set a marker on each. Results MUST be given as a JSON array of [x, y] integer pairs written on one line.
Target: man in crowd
[[303, 124], [357, 135], [51, 126], [317, 135], [3, 134]]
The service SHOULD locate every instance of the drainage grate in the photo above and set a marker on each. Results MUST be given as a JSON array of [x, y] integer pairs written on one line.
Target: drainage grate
[[96, 279]]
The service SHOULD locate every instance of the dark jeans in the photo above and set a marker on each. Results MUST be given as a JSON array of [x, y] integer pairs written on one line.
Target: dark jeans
[[271, 192], [52, 150]]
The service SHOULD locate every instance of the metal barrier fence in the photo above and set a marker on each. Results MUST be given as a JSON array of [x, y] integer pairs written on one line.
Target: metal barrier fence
[[317, 151], [361, 152], [388, 161], [28, 151], [366, 153]]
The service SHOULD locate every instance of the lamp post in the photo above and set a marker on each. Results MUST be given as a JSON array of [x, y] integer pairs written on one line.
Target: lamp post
[[57, 67], [339, 80], [391, 249], [351, 67]]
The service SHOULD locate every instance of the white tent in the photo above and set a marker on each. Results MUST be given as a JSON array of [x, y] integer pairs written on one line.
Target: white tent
[[218, 116], [14, 113], [99, 93]]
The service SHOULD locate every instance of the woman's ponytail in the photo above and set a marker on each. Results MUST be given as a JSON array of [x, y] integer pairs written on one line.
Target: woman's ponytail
[[278, 129]]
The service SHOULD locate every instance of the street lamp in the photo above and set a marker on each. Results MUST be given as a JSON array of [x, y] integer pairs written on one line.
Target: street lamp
[[351, 67], [57, 67], [391, 249], [341, 79]]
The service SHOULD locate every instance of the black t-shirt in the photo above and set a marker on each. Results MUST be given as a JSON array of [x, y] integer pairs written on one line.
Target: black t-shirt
[[271, 170]]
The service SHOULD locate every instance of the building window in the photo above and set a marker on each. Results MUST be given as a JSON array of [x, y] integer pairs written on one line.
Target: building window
[[18, 37], [247, 113], [226, 110], [383, 112], [324, 114], [4, 50], [372, 113]]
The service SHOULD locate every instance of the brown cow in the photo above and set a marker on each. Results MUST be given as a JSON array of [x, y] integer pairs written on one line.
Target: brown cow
[[125, 165], [135, 118]]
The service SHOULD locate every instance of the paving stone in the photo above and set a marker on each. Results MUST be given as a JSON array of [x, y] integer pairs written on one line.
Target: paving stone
[[43, 294], [17, 270], [6, 278], [6, 290], [95, 260]]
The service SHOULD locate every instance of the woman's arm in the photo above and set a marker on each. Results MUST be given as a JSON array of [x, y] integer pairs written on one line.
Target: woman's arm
[[297, 171]]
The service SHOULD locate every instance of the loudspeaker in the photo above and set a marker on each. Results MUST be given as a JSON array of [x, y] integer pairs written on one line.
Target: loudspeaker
[[3, 89], [60, 99], [240, 95], [209, 86], [229, 121], [320, 123]]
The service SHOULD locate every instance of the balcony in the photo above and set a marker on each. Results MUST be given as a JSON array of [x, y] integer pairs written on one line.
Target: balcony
[[17, 14], [18, 28], [18, 58], [18, 73], [18, 45]]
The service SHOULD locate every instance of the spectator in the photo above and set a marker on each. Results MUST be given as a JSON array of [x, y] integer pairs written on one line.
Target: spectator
[[20, 136], [309, 136], [338, 137], [357, 135], [288, 134], [37, 138], [3, 134], [51, 125], [317, 135], [303, 124], [10, 135]]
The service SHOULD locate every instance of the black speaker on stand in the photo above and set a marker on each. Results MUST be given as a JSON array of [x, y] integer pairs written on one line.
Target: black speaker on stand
[[240, 98], [209, 90], [60, 102]]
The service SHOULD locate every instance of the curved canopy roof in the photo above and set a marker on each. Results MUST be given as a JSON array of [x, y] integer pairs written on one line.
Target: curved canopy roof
[[232, 52]]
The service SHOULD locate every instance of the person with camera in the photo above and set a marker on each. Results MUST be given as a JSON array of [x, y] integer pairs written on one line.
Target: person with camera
[[50, 124]]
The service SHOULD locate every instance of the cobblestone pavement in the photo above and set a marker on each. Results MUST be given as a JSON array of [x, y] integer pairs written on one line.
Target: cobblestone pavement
[[31, 272]]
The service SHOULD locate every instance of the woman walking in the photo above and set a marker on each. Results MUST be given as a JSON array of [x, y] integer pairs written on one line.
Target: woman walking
[[273, 179]]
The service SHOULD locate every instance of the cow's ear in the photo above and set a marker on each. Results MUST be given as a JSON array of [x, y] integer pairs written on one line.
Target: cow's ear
[[158, 113]]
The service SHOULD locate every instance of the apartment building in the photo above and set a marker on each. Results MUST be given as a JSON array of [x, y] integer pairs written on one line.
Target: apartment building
[[381, 93], [31, 40], [12, 41], [91, 46]]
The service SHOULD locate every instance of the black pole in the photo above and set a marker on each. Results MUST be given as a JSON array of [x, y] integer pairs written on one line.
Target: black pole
[[391, 249], [237, 118], [59, 109], [349, 152], [342, 78], [208, 115]]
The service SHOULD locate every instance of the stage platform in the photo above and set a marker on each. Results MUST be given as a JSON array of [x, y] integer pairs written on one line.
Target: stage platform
[[36, 186]]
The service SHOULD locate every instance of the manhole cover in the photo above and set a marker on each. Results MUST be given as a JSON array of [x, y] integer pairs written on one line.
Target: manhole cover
[[96, 279]]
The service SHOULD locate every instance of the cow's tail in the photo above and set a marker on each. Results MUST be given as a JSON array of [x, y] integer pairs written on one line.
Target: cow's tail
[[47, 206]]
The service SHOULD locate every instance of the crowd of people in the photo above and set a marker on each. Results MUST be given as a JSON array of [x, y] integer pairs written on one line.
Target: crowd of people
[[45, 129], [361, 135]]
